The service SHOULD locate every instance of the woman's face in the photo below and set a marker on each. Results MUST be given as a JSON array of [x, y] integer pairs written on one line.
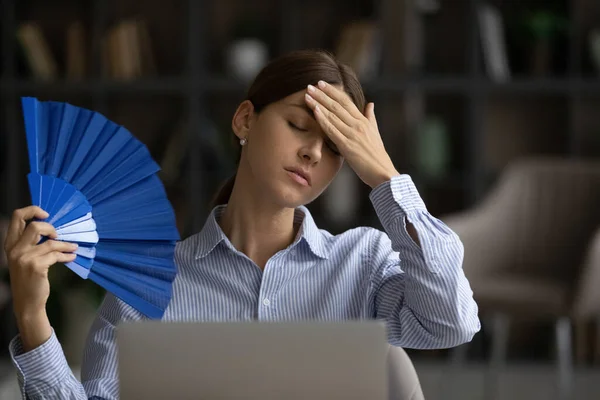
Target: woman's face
[[288, 158]]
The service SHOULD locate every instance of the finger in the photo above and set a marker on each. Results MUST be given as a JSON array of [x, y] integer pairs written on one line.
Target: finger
[[370, 114], [341, 97], [343, 128], [52, 246], [332, 105], [53, 258], [330, 130], [19, 222], [34, 232]]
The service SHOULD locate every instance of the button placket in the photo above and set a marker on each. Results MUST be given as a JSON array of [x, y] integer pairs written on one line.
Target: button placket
[[266, 308]]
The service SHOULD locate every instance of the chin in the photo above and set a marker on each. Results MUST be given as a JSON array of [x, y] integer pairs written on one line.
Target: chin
[[290, 197]]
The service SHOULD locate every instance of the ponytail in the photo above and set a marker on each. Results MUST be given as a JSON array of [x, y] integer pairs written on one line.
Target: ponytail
[[223, 193]]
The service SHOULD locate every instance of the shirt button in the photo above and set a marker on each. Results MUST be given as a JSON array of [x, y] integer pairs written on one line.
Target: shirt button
[[267, 302]]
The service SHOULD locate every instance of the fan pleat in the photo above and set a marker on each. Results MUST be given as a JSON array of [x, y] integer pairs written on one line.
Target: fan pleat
[[91, 165], [153, 308], [100, 161], [83, 119], [151, 266], [58, 190], [60, 146], [82, 151], [142, 247], [30, 113], [130, 173]]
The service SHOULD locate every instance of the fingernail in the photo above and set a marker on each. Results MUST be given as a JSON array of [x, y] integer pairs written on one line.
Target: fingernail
[[322, 84], [309, 97], [317, 109], [311, 88], [74, 245]]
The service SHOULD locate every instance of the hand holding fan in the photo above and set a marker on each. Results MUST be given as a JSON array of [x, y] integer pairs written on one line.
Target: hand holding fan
[[99, 185]]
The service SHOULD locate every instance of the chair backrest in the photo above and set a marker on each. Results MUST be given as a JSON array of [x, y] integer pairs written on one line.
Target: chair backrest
[[551, 207], [587, 296], [403, 379]]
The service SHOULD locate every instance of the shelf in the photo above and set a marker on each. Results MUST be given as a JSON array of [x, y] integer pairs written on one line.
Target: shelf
[[92, 86], [544, 86], [430, 84], [216, 84], [382, 86], [465, 84], [150, 86]]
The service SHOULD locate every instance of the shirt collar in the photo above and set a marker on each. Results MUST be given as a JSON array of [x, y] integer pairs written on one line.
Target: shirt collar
[[212, 234]]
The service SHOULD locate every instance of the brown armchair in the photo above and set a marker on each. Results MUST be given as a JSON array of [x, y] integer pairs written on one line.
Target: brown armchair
[[525, 247]]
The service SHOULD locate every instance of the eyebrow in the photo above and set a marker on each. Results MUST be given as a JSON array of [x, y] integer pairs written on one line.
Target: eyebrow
[[304, 107]]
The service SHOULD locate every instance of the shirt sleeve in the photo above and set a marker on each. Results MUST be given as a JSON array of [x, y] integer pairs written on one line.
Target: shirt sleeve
[[43, 373], [421, 291]]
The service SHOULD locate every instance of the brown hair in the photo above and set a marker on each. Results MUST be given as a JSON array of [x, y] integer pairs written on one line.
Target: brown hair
[[288, 74]]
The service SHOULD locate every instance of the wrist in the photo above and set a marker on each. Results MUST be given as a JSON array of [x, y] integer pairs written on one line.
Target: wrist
[[383, 177], [29, 314], [34, 328]]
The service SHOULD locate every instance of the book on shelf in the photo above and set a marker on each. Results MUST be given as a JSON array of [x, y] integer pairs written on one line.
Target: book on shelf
[[127, 51], [75, 54], [359, 46], [491, 28], [146, 52], [38, 55]]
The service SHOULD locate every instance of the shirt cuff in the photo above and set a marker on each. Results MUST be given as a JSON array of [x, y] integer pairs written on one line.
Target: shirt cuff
[[40, 369], [395, 199]]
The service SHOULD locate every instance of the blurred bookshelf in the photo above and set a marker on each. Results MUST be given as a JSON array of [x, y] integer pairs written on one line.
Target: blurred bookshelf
[[431, 65], [433, 70]]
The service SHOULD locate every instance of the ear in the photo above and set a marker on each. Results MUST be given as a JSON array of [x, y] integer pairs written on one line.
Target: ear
[[242, 119]]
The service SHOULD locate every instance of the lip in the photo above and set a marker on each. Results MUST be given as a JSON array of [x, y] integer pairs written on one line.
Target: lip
[[300, 176]]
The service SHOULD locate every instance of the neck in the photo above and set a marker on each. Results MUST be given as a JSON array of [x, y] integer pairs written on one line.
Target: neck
[[257, 228]]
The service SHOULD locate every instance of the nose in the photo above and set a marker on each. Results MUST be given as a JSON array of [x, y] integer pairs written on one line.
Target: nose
[[311, 150]]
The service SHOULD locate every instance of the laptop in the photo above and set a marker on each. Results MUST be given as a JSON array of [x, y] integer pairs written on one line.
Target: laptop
[[253, 360]]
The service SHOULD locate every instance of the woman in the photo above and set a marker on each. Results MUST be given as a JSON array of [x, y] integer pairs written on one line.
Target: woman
[[260, 254]]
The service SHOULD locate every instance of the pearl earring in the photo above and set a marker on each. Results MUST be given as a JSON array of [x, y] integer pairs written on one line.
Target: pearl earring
[[243, 141]]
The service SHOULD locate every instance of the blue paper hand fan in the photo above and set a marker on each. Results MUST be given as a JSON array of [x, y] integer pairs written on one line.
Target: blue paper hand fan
[[100, 187]]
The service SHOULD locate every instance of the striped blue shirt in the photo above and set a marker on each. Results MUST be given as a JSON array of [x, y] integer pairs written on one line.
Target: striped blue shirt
[[420, 291]]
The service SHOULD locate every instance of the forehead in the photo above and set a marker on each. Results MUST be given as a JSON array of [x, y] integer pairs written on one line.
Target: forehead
[[298, 98]]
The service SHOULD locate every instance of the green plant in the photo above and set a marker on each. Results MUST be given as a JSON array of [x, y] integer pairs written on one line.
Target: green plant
[[544, 24]]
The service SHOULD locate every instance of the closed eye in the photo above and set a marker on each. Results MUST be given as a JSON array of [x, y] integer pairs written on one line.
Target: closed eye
[[295, 127], [330, 145]]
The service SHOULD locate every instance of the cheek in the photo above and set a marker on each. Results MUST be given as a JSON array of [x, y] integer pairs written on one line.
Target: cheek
[[275, 141], [329, 169], [263, 163]]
